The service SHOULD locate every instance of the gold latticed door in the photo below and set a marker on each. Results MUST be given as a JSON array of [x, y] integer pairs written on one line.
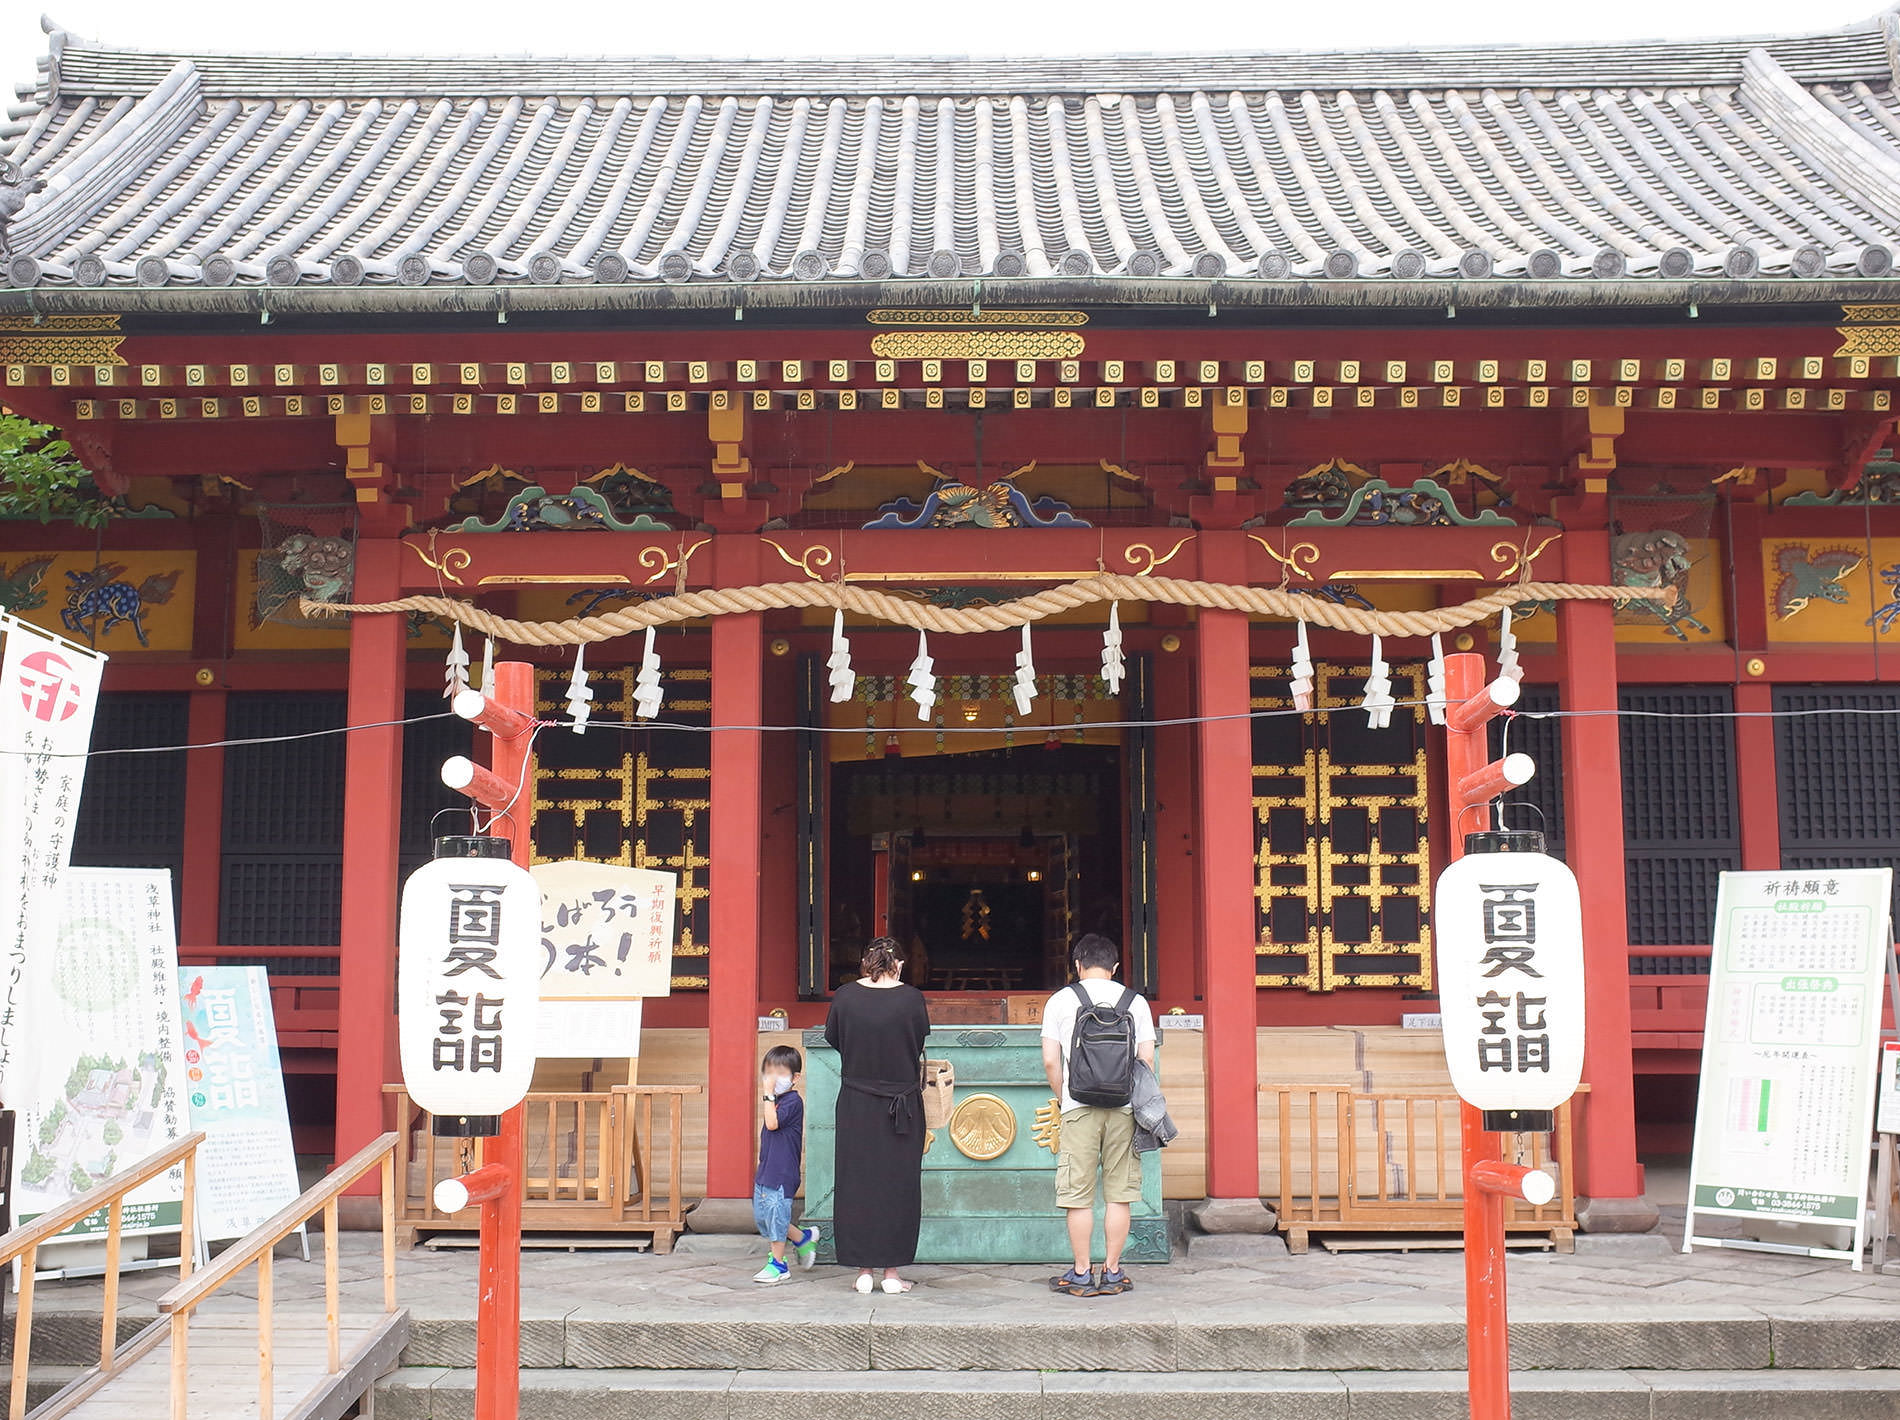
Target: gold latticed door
[[1342, 870], [641, 798]]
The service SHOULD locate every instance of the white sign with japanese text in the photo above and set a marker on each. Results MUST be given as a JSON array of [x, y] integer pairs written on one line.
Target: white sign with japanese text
[[1790, 1050], [106, 1043], [234, 1093], [467, 985], [49, 691], [606, 945]]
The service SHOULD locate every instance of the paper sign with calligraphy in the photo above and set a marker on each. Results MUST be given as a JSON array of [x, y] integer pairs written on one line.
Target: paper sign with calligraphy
[[606, 931], [106, 1048], [49, 690], [1785, 1108]]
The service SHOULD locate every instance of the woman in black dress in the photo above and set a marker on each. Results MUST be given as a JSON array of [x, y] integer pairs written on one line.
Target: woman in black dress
[[878, 1026]]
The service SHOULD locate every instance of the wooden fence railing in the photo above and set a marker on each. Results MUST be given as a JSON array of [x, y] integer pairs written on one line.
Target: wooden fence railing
[[256, 1246], [1390, 1162], [597, 1161], [23, 1243]]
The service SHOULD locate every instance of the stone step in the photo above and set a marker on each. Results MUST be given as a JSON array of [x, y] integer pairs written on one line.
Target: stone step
[[41, 1384], [66, 1330], [436, 1393], [1109, 1335]]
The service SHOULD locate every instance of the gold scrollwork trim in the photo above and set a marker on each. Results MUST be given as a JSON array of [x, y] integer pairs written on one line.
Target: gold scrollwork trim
[[663, 562], [1142, 560], [1866, 315], [1298, 562], [52, 324], [816, 556], [939, 319], [1119, 471], [1515, 559], [557, 579], [977, 345], [452, 562], [1869, 339], [80, 348]]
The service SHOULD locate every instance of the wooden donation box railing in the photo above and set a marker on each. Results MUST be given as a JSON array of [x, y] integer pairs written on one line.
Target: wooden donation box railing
[[599, 1161], [1388, 1161]]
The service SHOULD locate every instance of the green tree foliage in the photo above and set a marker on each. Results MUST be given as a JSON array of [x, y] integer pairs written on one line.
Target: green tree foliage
[[49, 1127], [38, 1169], [113, 1133], [79, 1179], [40, 478]]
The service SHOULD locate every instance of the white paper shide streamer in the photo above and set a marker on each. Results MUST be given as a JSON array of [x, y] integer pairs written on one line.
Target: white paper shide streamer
[[488, 666], [1300, 687], [646, 685], [844, 680], [1508, 667], [1377, 701], [923, 679], [457, 672], [579, 697], [1435, 697], [1025, 686], [1112, 671]]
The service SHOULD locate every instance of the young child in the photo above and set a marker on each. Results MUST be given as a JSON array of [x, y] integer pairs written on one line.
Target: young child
[[781, 1153]]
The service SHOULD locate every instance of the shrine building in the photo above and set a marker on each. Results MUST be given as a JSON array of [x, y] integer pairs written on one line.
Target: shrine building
[[1379, 334]]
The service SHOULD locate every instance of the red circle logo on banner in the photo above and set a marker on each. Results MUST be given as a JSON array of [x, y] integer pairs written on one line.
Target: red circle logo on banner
[[47, 688]]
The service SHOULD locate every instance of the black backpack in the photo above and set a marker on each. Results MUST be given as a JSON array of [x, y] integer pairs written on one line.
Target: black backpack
[[1102, 1051]]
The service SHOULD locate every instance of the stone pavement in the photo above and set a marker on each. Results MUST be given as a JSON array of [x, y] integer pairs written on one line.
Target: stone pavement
[[1627, 1326]]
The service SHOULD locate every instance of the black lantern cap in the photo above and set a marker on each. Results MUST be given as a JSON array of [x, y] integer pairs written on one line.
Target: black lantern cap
[[473, 845], [1505, 840], [465, 1126], [1519, 1121]]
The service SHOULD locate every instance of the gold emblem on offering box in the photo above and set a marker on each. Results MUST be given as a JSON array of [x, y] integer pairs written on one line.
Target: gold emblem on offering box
[[1049, 1126], [983, 1127]]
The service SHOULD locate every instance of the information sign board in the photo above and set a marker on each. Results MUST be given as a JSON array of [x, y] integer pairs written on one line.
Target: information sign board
[[1789, 1052], [1887, 1109], [607, 944], [234, 1090]]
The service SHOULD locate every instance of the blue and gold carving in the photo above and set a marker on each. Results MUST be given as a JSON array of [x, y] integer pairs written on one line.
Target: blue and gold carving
[[956, 504], [534, 509], [1376, 503]]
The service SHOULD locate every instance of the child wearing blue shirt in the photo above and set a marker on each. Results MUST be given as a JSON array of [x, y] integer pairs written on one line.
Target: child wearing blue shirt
[[781, 1153]]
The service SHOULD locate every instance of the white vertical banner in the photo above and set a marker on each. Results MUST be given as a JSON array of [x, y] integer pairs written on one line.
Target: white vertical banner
[[49, 691]]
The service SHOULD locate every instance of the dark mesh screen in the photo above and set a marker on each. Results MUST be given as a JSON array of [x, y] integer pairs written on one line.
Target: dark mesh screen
[[1680, 827], [132, 810], [1837, 761], [283, 826], [1542, 740]]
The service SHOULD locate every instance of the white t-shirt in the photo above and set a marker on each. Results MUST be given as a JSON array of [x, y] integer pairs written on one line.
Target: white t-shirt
[[1058, 1021]]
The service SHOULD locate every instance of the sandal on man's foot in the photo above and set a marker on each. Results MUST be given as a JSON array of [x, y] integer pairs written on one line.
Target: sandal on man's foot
[[1113, 1283], [1076, 1284]]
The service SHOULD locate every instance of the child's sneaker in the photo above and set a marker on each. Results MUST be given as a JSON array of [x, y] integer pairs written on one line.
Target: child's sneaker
[[773, 1271], [807, 1249]]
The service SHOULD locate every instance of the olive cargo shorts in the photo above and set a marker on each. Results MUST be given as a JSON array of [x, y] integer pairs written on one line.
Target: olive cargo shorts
[[1095, 1138]]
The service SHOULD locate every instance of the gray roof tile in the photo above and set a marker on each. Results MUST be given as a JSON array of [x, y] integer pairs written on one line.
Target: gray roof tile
[[1731, 157]]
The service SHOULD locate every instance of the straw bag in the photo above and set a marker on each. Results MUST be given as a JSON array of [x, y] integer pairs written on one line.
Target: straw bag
[[939, 1082]]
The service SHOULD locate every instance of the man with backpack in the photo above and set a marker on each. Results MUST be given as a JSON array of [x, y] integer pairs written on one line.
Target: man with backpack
[[1093, 1032]]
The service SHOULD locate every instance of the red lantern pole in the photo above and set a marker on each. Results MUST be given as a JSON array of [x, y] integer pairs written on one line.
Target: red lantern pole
[[504, 789], [1471, 781]]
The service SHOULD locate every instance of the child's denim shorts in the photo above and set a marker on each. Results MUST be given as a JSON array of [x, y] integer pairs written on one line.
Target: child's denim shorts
[[772, 1211]]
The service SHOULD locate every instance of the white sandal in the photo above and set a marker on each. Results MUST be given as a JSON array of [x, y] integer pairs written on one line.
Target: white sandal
[[863, 1284], [895, 1286]]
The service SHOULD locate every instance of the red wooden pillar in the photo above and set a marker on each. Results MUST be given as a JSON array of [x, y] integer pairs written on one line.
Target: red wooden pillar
[[1224, 852], [1177, 923], [1607, 1170], [202, 869], [738, 644], [372, 820]]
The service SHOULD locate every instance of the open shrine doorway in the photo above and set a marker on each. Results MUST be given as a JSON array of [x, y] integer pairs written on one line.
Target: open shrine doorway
[[986, 866]]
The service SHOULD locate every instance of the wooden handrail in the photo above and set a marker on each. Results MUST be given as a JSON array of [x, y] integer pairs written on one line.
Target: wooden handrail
[[256, 1247], [273, 1230], [48, 1225], [24, 1244]]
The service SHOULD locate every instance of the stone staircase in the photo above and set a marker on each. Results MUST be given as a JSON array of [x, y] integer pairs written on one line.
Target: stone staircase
[[841, 1357]]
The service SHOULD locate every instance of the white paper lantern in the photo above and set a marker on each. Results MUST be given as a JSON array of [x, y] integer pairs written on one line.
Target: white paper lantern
[[468, 983], [1508, 925]]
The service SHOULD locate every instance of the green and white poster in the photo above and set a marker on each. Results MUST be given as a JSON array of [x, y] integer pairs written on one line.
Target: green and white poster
[[1790, 1052], [100, 1062]]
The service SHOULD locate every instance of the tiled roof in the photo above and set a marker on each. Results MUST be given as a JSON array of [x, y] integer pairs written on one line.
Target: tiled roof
[[1740, 159]]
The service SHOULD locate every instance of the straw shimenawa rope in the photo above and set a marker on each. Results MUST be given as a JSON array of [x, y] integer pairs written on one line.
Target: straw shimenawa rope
[[1004, 616]]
